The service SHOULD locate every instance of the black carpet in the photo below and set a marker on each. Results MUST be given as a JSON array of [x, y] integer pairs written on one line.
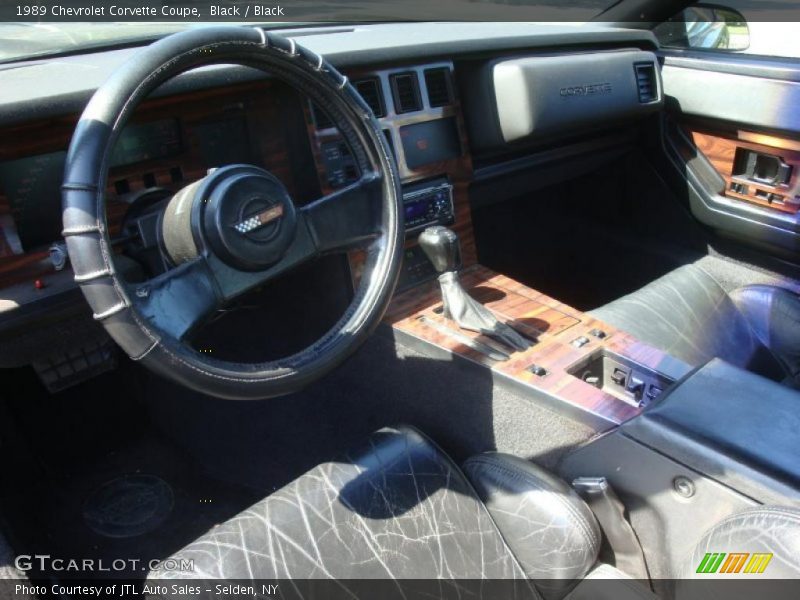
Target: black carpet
[[82, 439]]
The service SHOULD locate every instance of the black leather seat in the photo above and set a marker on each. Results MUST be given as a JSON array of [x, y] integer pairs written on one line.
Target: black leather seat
[[400, 511], [687, 314], [399, 508]]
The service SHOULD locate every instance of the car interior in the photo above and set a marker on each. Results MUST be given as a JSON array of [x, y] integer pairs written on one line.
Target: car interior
[[402, 301]]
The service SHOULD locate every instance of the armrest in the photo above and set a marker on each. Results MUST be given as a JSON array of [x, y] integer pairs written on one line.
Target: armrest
[[731, 425]]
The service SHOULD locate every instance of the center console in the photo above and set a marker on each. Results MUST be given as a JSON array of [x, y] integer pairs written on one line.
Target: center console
[[575, 364], [731, 425]]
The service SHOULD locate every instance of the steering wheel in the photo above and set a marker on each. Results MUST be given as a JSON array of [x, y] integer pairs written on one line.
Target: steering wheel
[[236, 228]]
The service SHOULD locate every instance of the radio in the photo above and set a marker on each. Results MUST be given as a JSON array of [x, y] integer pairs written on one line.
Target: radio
[[430, 203]]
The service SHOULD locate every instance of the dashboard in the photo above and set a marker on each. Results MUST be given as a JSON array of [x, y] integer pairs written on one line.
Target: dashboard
[[174, 141], [417, 79]]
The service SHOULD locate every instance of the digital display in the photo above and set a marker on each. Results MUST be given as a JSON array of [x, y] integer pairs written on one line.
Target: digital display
[[416, 209], [146, 141], [430, 142], [424, 206], [32, 189]]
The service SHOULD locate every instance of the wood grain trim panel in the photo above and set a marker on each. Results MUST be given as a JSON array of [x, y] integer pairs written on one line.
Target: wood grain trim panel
[[554, 324], [720, 149]]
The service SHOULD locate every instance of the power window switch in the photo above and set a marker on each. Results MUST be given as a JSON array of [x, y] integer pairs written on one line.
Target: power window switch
[[635, 387], [619, 376]]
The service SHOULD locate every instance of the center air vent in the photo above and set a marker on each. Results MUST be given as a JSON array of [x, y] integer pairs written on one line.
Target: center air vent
[[405, 89], [370, 90], [646, 82], [436, 80]]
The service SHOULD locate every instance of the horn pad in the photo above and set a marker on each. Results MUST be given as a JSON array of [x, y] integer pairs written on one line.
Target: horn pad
[[246, 216]]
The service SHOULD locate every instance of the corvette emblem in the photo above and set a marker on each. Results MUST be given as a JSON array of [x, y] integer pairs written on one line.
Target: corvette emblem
[[259, 220]]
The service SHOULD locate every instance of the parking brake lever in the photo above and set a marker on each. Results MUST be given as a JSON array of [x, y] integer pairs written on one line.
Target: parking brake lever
[[610, 514]]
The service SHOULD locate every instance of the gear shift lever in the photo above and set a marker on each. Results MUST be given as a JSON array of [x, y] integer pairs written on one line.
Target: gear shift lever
[[442, 247]]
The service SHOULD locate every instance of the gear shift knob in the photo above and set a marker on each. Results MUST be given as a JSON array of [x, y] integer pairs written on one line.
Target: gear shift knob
[[442, 247]]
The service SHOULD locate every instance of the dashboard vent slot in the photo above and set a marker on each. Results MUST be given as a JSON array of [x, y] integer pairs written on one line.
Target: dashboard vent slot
[[370, 90], [321, 118], [438, 84], [405, 88], [646, 82]]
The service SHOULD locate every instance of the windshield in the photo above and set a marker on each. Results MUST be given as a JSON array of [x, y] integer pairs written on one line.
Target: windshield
[[28, 40], [24, 40]]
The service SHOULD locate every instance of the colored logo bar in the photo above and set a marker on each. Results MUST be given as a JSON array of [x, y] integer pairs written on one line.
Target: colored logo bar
[[734, 562]]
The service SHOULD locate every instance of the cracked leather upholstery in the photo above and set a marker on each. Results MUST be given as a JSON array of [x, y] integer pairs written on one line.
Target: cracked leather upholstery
[[8, 571], [687, 314], [770, 529], [396, 508], [7, 568], [548, 527]]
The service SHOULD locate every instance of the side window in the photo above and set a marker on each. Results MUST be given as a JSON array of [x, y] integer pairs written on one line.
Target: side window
[[735, 26]]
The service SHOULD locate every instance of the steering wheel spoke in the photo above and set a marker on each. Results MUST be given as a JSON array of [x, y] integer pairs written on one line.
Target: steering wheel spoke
[[180, 299], [348, 218]]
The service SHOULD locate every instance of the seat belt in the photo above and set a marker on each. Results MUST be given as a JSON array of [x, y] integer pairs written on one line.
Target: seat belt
[[610, 514]]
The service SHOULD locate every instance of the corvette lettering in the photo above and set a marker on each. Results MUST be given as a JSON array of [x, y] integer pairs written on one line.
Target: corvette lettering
[[586, 90]]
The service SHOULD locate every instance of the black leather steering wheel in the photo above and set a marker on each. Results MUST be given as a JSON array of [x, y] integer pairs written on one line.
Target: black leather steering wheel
[[237, 227]]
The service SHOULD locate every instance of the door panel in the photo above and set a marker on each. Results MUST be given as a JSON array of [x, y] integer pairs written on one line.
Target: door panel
[[762, 174], [734, 138]]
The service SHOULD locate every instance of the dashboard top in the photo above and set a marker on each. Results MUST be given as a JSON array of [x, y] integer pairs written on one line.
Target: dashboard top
[[60, 85]]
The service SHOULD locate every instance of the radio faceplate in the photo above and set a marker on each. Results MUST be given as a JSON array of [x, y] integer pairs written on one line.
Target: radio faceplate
[[429, 205]]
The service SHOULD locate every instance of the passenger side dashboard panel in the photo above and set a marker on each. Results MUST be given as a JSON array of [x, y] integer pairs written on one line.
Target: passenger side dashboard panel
[[520, 100]]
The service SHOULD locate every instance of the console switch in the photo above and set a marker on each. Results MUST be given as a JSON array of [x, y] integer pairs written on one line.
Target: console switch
[[580, 342], [621, 377], [635, 387], [538, 370]]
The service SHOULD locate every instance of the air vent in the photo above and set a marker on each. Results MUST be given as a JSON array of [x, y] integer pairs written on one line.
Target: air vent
[[405, 88], [321, 119], [370, 90], [438, 84], [646, 82]]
